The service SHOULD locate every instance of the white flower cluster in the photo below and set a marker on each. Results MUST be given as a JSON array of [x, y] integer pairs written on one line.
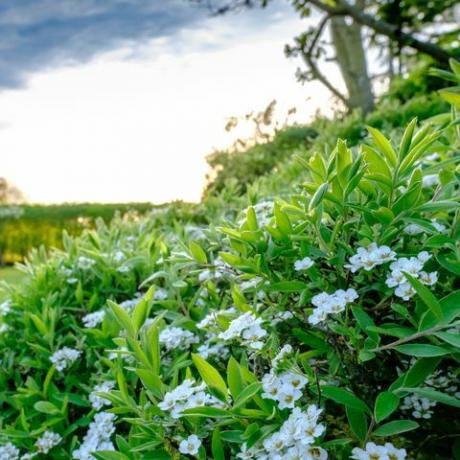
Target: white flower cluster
[[97, 437], [414, 267], [85, 263], [47, 441], [430, 179], [422, 407], [263, 211], [186, 396], [190, 445], [415, 229], [327, 304], [281, 316], [373, 451], [303, 264], [419, 407], [9, 452], [177, 338], [220, 269], [210, 348], [160, 294], [246, 327], [285, 388], [92, 320], [130, 304], [293, 441], [64, 357], [251, 283], [370, 257], [210, 320], [281, 355], [5, 307], [96, 401]]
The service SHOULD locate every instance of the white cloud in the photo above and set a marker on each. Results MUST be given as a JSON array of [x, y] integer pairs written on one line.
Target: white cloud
[[137, 129]]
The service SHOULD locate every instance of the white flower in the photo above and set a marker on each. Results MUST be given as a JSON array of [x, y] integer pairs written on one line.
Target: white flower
[[394, 453], [190, 445], [160, 294], [286, 350], [9, 452], [429, 180], [130, 304], [64, 357], [371, 452], [370, 257], [185, 396], [85, 263], [97, 437], [96, 401], [47, 441], [303, 264], [327, 304], [124, 269], [250, 284], [91, 320], [413, 266], [119, 256], [430, 279], [5, 307], [246, 327], [177, 338], [285, 388]]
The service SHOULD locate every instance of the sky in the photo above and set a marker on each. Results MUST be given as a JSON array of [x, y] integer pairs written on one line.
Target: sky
[[121, 101]]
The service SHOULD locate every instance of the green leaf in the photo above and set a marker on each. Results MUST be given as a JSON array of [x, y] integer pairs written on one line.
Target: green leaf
[[250, 391], [376, 163], [345, 397], [406, 140], [451, 339], [427, 297], [451, 264], [436, 206], [210, 375], [198, 253], [396, 427], [451, 95], [46, 408], [282, 221], [434, 395], [421, 350], [385, 404], [217, 447], [212, 412], [384, 145], [288, 286], [234, 377], [318, 196], [358, 422], [109, 455], [122, 318]]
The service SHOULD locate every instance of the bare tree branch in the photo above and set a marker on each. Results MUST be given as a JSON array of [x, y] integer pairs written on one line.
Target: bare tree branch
[[343, 8], [307, 56]]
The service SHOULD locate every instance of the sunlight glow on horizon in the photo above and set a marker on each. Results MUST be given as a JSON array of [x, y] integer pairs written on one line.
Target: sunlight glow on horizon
[[136, 124]]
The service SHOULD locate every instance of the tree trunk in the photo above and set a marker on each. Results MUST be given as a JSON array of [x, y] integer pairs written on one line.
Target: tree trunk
[[351, 58]]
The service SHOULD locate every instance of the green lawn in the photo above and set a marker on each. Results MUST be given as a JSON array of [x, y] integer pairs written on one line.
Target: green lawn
[[11, 275]]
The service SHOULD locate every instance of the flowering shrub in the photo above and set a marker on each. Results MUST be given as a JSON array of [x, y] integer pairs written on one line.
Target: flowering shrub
[[310, 327]]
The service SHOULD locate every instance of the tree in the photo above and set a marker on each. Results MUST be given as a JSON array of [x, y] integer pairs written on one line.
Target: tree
[[398, 22], [9, 194]]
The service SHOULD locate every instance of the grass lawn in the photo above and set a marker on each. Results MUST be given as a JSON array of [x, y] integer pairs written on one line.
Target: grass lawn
[[11, 275]]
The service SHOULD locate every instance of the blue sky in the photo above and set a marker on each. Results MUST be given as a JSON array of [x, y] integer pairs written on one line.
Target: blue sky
[[121, 100]]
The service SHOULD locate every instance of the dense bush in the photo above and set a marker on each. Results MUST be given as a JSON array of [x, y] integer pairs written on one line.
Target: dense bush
[[245, 167], [323, 324]]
